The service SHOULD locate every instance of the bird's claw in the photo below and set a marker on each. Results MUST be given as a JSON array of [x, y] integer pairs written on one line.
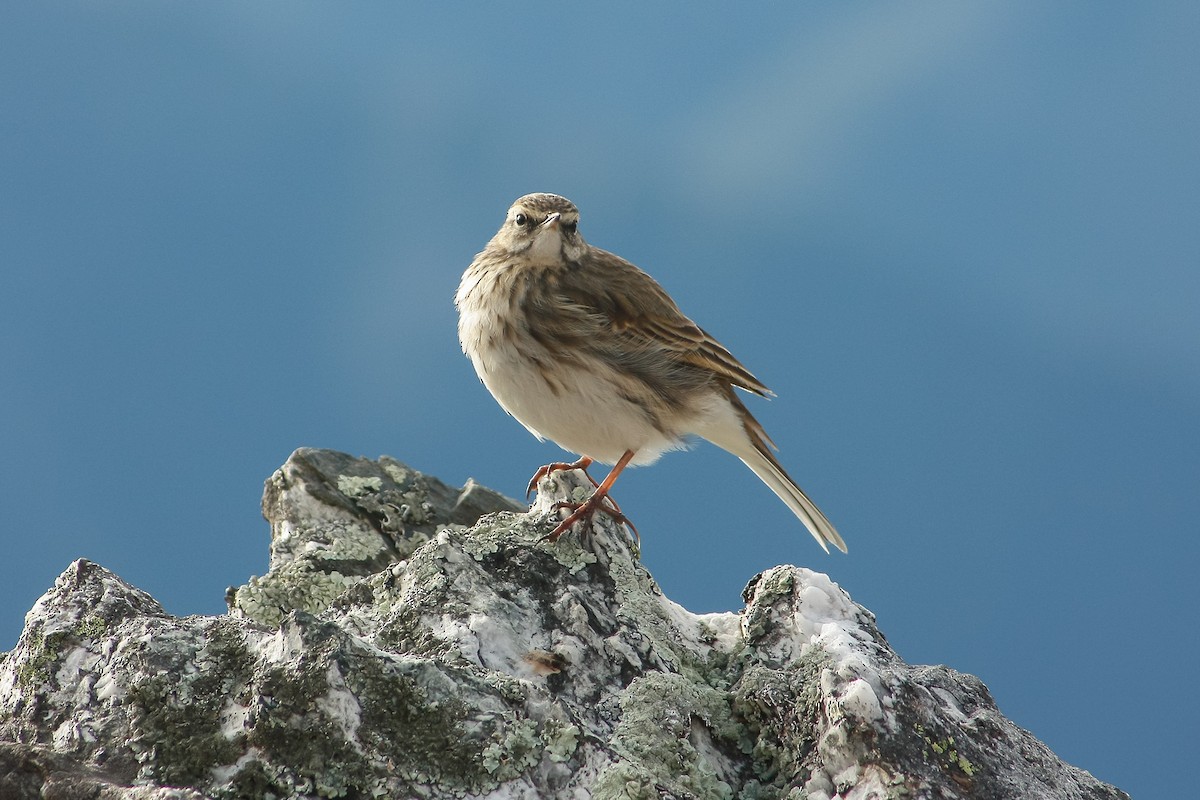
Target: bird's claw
[[586, 510], [582, 464]]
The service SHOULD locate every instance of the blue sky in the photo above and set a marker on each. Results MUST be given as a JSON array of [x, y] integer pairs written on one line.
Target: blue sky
[[960, 241]]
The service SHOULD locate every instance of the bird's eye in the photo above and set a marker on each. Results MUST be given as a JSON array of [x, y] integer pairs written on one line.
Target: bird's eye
[[521, 220], [570, 227]]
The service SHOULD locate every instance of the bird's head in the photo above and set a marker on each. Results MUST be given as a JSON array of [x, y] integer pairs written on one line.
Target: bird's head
[[543, 228]]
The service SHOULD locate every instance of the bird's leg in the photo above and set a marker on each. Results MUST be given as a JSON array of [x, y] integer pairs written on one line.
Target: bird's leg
[[583, 463], [596, 502]]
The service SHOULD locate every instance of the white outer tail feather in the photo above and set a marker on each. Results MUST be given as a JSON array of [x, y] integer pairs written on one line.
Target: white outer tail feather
[[731, 427], [778, 482]]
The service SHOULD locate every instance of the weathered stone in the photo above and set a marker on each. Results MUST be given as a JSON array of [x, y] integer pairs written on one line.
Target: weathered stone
[[336, 518], [403, 646]]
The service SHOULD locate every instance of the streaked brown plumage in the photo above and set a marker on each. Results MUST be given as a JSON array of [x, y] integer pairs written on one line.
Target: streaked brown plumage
[[586, 350]]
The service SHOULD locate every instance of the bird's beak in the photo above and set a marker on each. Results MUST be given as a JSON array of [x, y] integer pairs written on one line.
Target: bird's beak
[[551, 221]]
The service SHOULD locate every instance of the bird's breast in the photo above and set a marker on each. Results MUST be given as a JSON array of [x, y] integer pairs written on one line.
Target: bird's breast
[[576, 400]]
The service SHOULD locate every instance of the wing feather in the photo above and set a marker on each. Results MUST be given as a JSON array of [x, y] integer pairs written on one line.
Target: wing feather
[[627, 311]]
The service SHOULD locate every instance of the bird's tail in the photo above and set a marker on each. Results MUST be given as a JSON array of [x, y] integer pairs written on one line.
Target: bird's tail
[[747, 440], [773, 475]]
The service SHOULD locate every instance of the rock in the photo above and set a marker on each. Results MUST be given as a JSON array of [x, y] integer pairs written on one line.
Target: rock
[[403, 646], [336, 519]]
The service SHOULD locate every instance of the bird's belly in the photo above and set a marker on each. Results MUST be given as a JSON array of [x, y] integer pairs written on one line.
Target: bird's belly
[[578, 406]]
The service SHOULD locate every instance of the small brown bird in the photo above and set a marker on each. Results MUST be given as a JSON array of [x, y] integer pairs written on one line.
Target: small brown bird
[[586, 350]]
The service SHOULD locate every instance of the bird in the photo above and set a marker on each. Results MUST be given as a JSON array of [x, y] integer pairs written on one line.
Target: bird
[[585, 349]]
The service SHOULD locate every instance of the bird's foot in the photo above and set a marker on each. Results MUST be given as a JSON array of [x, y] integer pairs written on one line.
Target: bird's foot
[[583, 463], [598, 502]]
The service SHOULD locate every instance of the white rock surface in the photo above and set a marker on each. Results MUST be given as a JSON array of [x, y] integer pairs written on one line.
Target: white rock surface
[[400, 648]]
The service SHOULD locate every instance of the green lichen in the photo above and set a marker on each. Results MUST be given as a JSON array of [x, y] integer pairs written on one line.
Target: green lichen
[[414, 718], [354, 486], [669, 727], [517, 748], [405, 633], [479, 547], [225, 650], [252, 780], [569, 552], [178, 726], [414, 508], [339, 541], [946, 752], [395, 471], [759, 619], [392, 609], [178, 710], [770, 701], [506, 687], [93, 626], [562, 740], [294, 586], [302, 748], [42, 651]]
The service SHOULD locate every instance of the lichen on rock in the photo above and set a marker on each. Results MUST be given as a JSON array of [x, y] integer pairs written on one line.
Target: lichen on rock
[[414, 640]]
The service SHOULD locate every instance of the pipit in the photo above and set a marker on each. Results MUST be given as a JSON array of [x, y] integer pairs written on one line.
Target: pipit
[[586, 350]]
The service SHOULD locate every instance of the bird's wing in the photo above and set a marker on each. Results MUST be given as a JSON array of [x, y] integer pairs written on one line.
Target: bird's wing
[[631, 313]]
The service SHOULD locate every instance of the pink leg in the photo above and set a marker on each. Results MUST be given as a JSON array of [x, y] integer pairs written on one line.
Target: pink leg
[[596, 502], [583, 463]]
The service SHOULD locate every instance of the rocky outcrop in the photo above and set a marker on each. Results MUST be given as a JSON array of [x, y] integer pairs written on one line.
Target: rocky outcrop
[[402, 645]]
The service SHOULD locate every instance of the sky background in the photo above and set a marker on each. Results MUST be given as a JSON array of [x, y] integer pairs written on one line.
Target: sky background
[[960, 241]]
